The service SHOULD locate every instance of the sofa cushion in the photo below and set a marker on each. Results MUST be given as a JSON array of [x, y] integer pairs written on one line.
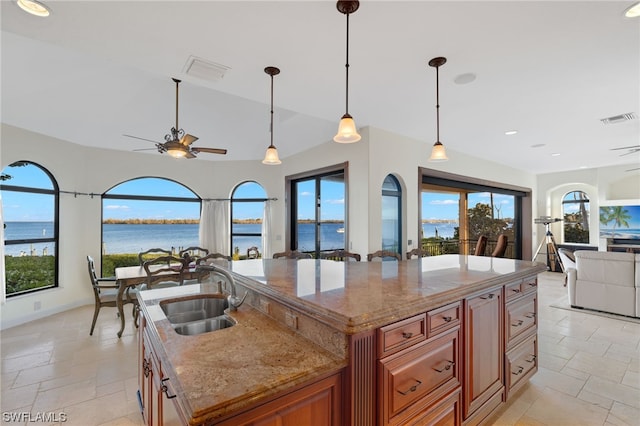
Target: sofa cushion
[[611, 268]]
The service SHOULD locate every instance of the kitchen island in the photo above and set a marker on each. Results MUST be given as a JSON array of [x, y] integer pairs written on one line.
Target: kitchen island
[[441, 339]]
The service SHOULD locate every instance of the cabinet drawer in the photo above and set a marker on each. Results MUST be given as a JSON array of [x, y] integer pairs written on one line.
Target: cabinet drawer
[[521, 363], [445, 413], [518, 288], [425, 373], [442, 319], [521, 316], [401, 334]]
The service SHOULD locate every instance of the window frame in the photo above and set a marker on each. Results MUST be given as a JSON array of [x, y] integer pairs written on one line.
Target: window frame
[[292, 211], [55, 192], [397, 194], [565, 201], [244, 200]]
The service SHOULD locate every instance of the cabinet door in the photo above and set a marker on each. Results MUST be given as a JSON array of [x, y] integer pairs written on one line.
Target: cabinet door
[[484, 349], [318, 404]]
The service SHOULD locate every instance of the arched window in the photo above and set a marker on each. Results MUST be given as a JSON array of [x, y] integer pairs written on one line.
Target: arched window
[[247, 208], [30, 211], [391, 214], [146, 213], [575, 213]]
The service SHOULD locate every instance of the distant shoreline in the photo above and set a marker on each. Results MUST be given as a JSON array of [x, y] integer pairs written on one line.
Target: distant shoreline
[[193, 221]]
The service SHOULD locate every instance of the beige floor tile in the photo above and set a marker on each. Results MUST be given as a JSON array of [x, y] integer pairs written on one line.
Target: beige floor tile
[[21, 397], [557, 408], [615, 391], [64, 396], [558, 381], [622, 414], [598, 366]]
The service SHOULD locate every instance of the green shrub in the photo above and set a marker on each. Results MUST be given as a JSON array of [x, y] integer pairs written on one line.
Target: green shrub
[[29, 272]]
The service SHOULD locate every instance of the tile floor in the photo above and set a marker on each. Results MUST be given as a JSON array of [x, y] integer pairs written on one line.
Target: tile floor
[[589, 369]]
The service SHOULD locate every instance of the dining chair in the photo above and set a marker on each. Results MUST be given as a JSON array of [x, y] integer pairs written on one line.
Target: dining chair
[[481, 246], [292, 254], [152, 253], [383, 254], [417, 252], [501, 246], [253, 253], [164, 271], [341, 255], [193, 253], [105, 292]]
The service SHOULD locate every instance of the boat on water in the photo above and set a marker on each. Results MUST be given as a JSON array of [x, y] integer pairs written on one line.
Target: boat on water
[[340, 230]]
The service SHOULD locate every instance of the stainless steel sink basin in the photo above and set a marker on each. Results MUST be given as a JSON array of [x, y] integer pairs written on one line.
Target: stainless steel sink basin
[[204, 326], [197, 315]]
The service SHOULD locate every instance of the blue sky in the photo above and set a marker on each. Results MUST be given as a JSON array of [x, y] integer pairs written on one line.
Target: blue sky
[[441, 205]]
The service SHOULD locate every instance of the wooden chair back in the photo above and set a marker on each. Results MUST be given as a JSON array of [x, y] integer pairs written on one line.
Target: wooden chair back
[[292, 254], [382, 254], [501, 246], [340, 255], [164, 271], [481, 246], [416, 252], [143, 256]]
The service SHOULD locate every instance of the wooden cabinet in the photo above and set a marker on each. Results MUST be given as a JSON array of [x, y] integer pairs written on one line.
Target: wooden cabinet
[[483, 355], [521, 326], [420, 384], [317, 404], [154, 387]]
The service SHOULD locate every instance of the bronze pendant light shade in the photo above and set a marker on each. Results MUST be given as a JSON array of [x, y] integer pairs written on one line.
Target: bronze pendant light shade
[[438, 152], [271, 156], [347, 131]]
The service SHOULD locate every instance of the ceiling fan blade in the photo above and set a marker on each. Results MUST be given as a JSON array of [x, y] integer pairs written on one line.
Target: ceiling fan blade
[[625, 147], [142, 139], [188, 139], [146, 149], [189, 154], [632, 151], [631, 170], [197, 149]]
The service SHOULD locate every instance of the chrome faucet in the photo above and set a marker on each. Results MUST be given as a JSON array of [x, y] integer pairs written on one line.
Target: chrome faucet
[[233, 299]]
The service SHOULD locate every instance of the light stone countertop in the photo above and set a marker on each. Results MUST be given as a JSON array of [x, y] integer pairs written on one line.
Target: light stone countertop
[[218, 373]]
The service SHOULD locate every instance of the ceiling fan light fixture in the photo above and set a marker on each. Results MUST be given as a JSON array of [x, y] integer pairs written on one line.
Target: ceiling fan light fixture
[[633, 11], [438, 153], [347, 131], [271, 156], [34, 7], [176, 149]]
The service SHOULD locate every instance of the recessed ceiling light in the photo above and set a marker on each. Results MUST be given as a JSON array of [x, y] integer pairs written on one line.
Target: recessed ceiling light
[[465, 78], [510, 132], [555, 154], [633, 11], [34, 7]]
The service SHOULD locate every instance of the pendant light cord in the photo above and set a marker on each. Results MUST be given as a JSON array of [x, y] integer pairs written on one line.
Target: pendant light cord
[[437, 105], [177, 83], [271, 125], [347, 71]]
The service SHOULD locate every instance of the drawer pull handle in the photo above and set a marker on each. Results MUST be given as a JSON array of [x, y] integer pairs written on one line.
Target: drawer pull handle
[[407, 335], [488, 296], [533, 358], [145, 367], [447, 319], [520, 370], [532, 284], [164, 388], [517, 324], [531, 315], [515, 290], [412, 388], [446, 367]]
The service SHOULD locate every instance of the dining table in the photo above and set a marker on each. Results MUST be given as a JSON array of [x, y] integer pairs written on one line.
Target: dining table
[[132, 276]]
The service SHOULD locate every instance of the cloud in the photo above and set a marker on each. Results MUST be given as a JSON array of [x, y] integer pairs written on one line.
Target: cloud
[[340, 201], [116, 207], [443, 202], [306, 193]]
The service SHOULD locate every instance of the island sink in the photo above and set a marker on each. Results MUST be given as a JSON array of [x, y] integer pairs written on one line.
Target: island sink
[[197, 315]]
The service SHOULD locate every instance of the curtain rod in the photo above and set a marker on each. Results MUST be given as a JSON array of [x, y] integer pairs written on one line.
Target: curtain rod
[[91, 194]]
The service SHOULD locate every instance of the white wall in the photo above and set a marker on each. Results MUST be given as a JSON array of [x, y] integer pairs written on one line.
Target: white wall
[[604, 186], [90, 170]]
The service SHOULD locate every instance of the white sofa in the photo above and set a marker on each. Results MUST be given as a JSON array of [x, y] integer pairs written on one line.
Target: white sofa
[[605, 281]]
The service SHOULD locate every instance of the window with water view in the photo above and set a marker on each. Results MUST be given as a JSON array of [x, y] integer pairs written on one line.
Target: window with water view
[[30, 212]]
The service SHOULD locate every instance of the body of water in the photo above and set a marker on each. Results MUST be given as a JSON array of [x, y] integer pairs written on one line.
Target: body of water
[[442, 230], [133, 238]]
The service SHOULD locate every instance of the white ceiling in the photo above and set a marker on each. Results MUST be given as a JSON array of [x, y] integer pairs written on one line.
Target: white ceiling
[[95, 70]]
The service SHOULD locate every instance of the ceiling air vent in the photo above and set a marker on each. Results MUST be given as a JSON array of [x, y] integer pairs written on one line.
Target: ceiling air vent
[[619, 118], [205, 70]]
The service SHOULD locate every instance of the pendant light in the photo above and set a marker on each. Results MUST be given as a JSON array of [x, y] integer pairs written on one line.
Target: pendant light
[[347, 132], [271, 156], [438, 152]]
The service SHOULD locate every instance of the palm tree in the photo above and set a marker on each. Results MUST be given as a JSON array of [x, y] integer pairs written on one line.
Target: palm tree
[[618, 215]]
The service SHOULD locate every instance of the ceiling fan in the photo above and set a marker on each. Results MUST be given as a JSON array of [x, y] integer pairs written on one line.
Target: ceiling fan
[[632, 149], [178, 143]]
